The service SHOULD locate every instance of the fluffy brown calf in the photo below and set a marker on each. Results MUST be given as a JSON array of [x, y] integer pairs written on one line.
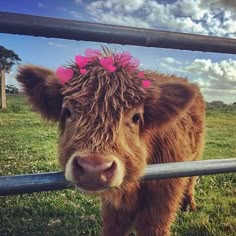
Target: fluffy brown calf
[[113, 121]]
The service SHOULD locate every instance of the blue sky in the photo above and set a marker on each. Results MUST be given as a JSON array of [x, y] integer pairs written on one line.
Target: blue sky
[[215, 73]]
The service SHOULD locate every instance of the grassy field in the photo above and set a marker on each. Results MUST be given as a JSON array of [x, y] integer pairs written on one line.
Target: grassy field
[[28, 145]]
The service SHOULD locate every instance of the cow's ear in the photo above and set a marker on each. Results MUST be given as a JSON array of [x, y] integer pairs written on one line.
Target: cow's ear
[[167, 102], [43, 90]]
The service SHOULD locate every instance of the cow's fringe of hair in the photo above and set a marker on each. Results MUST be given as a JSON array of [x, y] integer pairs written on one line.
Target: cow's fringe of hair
[[99, 98]]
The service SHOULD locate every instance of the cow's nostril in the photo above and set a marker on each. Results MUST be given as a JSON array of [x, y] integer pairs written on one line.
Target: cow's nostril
[[79, 168], [107, 174], [94, 171]]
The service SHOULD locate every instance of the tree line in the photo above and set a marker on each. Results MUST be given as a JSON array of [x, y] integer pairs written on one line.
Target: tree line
[[8, 58]]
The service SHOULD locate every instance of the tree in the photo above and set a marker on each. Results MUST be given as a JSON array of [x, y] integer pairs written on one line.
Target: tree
[[8, 58]]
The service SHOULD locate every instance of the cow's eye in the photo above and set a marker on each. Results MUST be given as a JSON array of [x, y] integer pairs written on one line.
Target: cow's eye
[[136, 118], [65, 117], [67, 114]]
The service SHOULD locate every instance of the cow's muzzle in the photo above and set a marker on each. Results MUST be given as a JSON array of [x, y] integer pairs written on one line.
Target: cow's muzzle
[[93, 173]]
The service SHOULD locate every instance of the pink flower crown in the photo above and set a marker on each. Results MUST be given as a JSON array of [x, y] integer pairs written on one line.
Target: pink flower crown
[[124, 60]]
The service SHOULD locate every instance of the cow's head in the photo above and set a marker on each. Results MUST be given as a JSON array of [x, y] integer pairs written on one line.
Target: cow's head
[[107, 119]]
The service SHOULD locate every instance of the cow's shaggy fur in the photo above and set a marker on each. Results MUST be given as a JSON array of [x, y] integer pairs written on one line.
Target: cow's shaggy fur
[[100, 98], [109, 117]]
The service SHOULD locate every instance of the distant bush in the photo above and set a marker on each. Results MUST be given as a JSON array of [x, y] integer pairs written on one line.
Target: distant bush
[[11, 89], [221, 107]]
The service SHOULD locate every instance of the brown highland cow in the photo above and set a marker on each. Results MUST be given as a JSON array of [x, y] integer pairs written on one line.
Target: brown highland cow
[[114, 120]]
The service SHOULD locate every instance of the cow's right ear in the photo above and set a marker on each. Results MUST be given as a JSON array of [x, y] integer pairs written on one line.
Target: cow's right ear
[[43, 90], [167, 102]]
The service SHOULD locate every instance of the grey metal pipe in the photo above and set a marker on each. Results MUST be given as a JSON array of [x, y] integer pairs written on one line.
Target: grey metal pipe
[[193, 168], [69, 29], [19, 184], [29, 183]]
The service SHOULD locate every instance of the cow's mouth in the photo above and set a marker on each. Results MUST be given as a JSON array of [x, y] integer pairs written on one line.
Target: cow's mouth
[[91, 188]]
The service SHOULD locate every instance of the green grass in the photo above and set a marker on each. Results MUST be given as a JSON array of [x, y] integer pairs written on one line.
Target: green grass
[[28, 145]]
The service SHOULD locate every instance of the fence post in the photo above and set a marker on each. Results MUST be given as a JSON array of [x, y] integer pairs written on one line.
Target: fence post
[[3, 90]]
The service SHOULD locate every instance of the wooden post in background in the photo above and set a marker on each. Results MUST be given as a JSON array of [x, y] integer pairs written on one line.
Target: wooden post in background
[[3, 90]]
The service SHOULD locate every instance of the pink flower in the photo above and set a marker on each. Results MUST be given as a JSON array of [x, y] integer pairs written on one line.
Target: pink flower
[[81, 61], [123, 58], [64, 74], [141, 74], [134, 62], [83, 71], [107, 63], [146, 83], [89, 52]]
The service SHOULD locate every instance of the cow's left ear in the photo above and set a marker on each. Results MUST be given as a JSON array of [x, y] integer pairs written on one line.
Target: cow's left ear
[[167, 102], [43, 90]]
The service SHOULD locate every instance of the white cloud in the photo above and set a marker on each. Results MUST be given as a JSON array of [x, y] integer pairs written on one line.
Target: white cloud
[[79, 1], [214, 75], [75, 14], [169, 60], [117, 12], [171, 65], [212, 17], [118, 6], [199, 66], [227, 96], [58, 45], [217, 80], [191, 9], [113, 18], [131, 5], [41, 5]]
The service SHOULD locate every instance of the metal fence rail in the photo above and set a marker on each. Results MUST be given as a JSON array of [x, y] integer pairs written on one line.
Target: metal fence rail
[[69, 29], [18, 184]]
